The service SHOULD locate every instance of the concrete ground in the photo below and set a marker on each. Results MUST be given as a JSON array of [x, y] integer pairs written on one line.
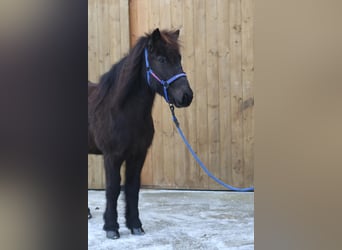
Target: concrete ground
[[179, 220]]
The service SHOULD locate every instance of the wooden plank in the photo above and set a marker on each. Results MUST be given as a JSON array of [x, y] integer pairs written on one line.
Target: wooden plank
[[124, 27], [213, 93], [189, 123], [133, 21], [224, 91], [96, 177], [167, 125], [120, 40], [201, 87], [236, 92], [157, 145], [104, 60], [114, 32], [92, 41], [247, 7], [177, 15], [181, 157], [147, 173], [138, 19], [154, 15], [156, 150]]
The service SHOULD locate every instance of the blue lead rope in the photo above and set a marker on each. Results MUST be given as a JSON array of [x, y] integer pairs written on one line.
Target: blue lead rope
[[174, 118], [166, 84]]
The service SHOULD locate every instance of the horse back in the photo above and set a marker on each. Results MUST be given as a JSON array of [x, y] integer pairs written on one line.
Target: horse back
[[92, 148], [91, 87]]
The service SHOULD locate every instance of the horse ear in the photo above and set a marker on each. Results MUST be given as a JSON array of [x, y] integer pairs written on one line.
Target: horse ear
[[155, 36], [176, 33]]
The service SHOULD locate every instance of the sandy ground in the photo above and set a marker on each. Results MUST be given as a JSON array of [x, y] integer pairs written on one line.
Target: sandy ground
[[179, 220]]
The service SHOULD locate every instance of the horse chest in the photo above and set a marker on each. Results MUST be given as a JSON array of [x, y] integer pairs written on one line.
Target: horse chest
[[141, 133], [133, 134]]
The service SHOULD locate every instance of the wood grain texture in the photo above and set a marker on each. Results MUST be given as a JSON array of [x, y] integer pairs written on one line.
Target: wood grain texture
[[236, 92], [189, 121], [224, 97], [213, 113], [247, 108], [217, 55]]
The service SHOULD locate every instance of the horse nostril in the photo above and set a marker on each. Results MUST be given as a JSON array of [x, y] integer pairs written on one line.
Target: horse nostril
[[186, 100]]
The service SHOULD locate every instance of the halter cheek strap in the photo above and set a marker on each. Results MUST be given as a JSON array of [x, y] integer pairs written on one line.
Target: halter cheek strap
[[165, 83]]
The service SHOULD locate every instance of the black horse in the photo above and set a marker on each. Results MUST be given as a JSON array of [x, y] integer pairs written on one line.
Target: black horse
[[120, 124]]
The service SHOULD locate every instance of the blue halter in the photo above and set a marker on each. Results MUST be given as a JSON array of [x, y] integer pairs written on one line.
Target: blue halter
[[165, 83]]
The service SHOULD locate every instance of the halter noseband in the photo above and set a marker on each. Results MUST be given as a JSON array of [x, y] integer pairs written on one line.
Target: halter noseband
[[165, 83]]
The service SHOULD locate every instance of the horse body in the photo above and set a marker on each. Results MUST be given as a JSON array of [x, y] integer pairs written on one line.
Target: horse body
[[120, 131], [120, 124]]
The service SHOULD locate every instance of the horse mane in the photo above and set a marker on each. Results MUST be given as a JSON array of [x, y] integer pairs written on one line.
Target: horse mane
[[123, 75]]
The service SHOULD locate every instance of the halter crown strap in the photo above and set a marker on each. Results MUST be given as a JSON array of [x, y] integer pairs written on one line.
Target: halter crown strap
[[165, 83], [148, 69]]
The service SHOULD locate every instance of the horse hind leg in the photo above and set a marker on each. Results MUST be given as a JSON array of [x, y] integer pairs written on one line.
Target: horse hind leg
[[113, 179], [132, 186]]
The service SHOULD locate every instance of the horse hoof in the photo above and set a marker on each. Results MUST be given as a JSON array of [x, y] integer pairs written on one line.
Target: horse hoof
[[138, 231], [113, 235]]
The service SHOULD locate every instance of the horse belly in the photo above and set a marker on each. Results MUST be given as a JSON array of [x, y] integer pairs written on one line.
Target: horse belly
[[92, 148]]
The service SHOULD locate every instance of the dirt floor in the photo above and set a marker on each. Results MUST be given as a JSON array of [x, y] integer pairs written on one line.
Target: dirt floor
[[179, 220]]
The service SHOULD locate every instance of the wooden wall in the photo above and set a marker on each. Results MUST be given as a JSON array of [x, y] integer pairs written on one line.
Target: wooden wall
[[217, 55]]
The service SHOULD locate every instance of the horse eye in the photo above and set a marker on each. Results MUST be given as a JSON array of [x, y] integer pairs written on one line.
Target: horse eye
[[161, 59]]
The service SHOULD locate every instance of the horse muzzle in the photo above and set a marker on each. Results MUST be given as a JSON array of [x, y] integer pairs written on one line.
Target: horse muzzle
[[183, 100]]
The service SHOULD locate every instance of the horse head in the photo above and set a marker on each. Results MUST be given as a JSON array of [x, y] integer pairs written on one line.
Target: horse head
[[164, 70]]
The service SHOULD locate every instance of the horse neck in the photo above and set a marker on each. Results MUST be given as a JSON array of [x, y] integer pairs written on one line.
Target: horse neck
[[139, 96], [142, 95]]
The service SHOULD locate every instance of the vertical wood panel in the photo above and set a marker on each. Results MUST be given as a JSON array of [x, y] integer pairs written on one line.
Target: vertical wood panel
[[114, 38], [92, 41], [124, 27], [201, 87], [248, 93], [147, 172], [157, 149], [189, 121], [181, 157], [96, 176], [103, 30], [213, 87], [167, 126], [224, 90], [236, 92]]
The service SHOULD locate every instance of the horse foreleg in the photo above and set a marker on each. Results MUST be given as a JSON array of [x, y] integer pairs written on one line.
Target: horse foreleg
[[113, 179], [132, 185]]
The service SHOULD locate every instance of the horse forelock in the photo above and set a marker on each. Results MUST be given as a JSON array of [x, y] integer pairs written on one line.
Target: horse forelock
[[170, 38], [170, 46]]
